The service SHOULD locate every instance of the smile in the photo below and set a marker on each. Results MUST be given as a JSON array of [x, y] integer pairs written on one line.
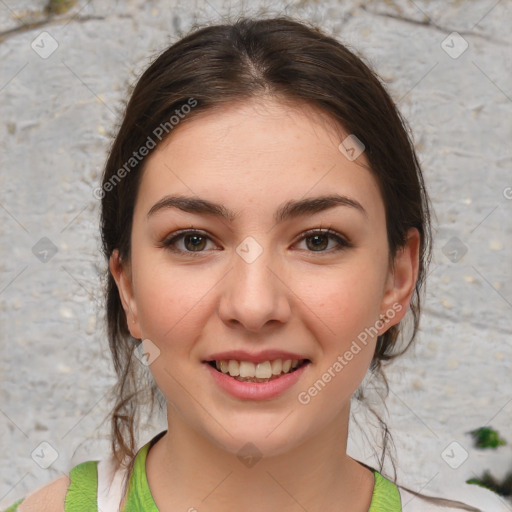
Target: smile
[[265, 371], [246, 385]]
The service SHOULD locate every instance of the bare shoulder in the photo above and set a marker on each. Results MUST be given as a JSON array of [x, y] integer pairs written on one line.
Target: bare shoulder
[[50, 497]]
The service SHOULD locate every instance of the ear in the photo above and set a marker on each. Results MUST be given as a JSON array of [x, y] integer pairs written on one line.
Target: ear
[[122, 276], [401, 282]]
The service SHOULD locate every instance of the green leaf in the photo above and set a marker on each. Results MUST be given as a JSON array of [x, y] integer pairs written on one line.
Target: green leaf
[[503, 488], [486, 437]]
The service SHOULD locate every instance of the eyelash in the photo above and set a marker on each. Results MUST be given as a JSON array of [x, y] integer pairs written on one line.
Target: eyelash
[[169, 242]]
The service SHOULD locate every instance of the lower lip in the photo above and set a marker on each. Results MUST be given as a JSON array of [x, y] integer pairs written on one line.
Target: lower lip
[[256, 390]]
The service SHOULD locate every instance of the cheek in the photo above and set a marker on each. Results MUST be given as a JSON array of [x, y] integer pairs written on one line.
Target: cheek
[[345, 302], [170, 307], [341, 317], [169, 302]]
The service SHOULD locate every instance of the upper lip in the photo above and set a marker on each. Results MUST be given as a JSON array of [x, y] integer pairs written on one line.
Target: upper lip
[[265, 355]]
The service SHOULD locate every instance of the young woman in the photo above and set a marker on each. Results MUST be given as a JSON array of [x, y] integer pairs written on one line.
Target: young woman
[[267, 230]]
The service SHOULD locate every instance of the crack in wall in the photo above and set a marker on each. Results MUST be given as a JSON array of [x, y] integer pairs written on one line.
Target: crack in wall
[[429, 23], [48, 21]]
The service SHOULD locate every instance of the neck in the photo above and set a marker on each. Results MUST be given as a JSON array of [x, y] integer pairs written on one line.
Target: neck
[[187, 471]]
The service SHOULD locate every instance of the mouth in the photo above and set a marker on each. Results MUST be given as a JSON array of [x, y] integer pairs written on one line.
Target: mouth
[[265, 371]]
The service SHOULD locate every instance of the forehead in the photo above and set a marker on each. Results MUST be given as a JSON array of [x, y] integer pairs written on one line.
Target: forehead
[[261, 152]]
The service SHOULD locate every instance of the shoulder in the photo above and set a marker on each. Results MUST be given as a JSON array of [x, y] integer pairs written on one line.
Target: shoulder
[[78, 489], [49, 498]]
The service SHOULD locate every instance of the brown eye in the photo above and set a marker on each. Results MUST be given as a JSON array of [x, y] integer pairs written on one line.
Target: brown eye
[[318, 241], [194, 242], [187, 242]]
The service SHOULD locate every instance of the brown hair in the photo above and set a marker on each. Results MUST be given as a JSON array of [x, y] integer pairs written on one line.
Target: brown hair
[[218, 65]]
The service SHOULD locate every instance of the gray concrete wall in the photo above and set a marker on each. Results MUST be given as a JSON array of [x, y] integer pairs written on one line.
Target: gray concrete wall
[[449, 67]]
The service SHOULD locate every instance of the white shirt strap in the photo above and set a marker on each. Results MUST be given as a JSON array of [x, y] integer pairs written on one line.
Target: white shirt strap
[[110, 486]]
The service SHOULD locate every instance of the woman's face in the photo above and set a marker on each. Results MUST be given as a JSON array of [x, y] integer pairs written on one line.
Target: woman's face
[[258, 274]]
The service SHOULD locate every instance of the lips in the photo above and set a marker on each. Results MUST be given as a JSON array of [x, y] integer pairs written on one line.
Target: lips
[[254, 388], [269, 364]]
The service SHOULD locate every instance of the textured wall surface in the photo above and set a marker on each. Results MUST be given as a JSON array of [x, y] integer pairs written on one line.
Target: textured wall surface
[[62, 80]]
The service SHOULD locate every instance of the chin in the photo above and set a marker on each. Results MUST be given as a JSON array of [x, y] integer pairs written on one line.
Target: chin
[[252, 442]]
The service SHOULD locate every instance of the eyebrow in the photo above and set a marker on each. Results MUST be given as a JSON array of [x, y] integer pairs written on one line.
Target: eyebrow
[[290, 209]]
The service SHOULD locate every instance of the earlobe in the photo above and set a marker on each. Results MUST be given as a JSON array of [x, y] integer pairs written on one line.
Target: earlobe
[[122, 276], [401, 282]]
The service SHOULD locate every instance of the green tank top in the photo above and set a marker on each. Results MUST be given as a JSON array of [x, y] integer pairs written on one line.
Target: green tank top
[[82, 491]]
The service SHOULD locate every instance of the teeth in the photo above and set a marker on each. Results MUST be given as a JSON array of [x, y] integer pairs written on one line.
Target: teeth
[[263, 370], [233, 368], [277, 367], [247, 369]]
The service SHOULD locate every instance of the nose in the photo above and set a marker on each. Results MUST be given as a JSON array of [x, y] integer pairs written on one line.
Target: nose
[[255, 293]]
